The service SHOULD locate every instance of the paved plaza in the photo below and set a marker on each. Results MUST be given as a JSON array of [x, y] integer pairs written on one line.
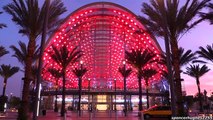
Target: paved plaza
[[99, 115]]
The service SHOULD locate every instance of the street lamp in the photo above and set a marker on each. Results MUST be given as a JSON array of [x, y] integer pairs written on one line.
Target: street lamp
[[115, 95]]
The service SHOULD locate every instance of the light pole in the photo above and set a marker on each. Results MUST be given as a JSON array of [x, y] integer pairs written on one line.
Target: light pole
[[115, 96], [125, 106], [89, 105], [89, 94], [38, 83]]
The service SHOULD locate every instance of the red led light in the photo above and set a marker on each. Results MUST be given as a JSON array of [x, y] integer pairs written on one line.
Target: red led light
[[103, 38]]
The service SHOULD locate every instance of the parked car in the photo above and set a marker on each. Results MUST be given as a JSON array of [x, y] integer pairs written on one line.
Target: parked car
[[157, 111]]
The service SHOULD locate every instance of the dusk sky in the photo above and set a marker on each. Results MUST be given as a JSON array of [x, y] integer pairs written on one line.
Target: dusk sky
[[202, 35]]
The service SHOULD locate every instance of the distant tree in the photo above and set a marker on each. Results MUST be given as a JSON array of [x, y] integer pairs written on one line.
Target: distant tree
[[196, 71], [6, 71], [196, 97], [14, 102]]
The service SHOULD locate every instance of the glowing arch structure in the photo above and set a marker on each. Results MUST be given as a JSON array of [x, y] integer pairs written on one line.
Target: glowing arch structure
[[103, 31]]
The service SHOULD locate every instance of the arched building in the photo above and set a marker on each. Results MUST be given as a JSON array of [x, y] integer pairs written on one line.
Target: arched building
[[103, 31]]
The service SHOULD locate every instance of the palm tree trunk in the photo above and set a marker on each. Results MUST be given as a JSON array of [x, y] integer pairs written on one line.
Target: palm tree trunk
[[199, 95], [79, 99], [63, 93], [170, 75], [4, 87], [56, 103], [140, 94], [147, 92], [147, 97], [175, 52], [125, 105], [23, 113]]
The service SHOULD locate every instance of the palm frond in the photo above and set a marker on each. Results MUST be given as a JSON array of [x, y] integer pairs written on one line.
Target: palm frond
[[206, 53], [3, 51], [1, 24], [186, 57], [7, 71], [139, 58], [125, 72], [63, 57], [170, 18], [55, 72], [79, 72], [21, 53], [196, 71], [148, 73], [208, 16], [30, 17]]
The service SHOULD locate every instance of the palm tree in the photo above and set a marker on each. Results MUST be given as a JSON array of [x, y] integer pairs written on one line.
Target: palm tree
[[196, 71], [147, 74], [2, 25], [209, 15], [172, 21], [63, 57], [3, 51], [29, 17], [138, 59], [125, 74], [6, 71], [57, 75], [79, 72]]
